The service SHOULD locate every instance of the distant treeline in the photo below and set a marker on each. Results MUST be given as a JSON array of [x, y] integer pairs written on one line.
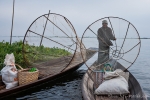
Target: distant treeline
[[72, 37], [144, 38]]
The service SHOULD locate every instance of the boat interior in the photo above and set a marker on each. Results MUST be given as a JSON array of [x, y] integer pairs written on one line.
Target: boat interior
[[92, 80]]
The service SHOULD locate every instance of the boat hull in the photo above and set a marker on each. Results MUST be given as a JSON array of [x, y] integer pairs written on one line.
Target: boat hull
[[136, 92], [56, 77]]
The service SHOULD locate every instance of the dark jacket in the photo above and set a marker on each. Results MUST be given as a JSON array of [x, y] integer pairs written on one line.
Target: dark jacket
[[104, 35]]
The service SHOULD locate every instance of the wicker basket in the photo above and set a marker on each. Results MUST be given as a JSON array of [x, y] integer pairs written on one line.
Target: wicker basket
[[25, 77]]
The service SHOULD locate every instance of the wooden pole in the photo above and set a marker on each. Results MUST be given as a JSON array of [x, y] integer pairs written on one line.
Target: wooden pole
[[44, 28], [12, 22]]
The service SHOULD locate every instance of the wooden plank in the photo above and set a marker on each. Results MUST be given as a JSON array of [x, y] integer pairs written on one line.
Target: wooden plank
[[109, 98]]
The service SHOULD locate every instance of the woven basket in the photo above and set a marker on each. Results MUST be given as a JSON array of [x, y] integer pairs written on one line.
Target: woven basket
[[25, 77]]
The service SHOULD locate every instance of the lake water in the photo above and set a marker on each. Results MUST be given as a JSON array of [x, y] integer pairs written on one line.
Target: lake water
[[141, 68], [69, 87]]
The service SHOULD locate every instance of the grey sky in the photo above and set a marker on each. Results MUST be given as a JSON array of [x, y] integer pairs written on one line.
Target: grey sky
[[80, 13]]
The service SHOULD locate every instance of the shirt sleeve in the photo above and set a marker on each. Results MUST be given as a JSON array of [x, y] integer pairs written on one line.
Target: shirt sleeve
[[99, 34], [111, 37]]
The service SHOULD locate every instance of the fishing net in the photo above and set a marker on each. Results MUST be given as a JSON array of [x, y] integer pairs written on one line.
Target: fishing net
[[123, 46], [50, 43]]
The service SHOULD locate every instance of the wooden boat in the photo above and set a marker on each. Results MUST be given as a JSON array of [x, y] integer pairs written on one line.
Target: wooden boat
[[88, 87], [124, 51], [49, 71]]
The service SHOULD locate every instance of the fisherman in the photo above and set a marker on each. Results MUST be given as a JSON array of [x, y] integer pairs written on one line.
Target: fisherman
[[104, 35]]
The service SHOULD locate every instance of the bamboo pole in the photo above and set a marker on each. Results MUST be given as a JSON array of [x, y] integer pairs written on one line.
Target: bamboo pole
[[12, 22]]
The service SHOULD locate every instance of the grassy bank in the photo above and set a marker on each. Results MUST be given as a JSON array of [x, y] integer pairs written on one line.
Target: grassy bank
[[32, 54]]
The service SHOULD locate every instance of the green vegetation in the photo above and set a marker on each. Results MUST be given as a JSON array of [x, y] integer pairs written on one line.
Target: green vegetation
[[30, 54], [32, 69]]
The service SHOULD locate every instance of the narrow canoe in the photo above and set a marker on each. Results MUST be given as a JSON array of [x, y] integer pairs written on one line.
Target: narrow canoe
[[52, 70], [136, 92]]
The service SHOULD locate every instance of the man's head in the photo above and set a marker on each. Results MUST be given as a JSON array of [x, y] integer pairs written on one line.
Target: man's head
[[104, 23]]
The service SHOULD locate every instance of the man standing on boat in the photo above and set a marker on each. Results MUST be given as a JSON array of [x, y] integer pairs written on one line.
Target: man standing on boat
[[104, 35]]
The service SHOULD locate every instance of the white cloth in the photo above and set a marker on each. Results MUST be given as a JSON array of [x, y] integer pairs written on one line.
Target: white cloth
[[113, 84], [9, 76], [9, 72], [116, 73], [9, 59]]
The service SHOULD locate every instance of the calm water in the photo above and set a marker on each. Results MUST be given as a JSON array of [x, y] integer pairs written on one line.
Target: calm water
[[141, 68], [69, 88]]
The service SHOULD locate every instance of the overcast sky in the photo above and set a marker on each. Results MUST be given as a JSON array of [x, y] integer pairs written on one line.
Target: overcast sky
[[81, 13]]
